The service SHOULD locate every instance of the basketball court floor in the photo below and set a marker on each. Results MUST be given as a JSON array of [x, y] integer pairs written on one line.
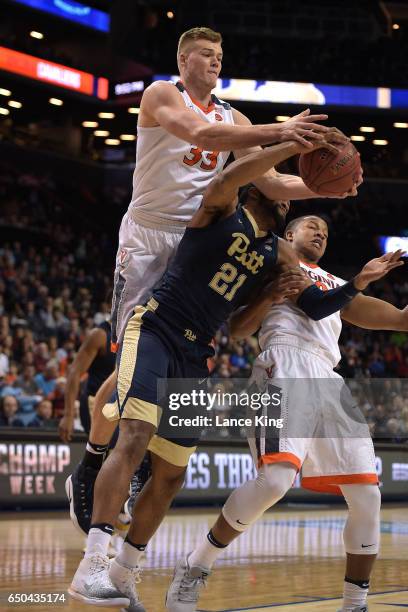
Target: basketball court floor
[[290, 560]]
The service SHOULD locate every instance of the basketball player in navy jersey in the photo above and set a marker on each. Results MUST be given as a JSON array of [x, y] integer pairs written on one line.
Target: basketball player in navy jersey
[[223, 256]]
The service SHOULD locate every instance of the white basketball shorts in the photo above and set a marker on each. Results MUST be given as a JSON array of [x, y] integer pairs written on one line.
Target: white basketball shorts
[[322, 432], [142, 258]]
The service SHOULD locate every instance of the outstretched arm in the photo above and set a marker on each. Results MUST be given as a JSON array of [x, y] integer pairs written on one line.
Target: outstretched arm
[[371, 313], [277, 186], [220, 197], [318, 304], [293, 284], [162, 105]]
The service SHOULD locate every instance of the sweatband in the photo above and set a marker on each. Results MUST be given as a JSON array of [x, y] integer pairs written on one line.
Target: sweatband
[[318, 304]]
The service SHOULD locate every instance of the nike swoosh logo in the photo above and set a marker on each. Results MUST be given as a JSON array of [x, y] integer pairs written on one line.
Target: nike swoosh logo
[[240, 523], [367, 545]]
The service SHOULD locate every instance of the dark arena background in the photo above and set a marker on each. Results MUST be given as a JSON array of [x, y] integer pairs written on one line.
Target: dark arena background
[[72, 75]]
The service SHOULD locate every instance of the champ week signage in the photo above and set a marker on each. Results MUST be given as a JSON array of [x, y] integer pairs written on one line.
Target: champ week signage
[[32, 469], [33, 473], [53, 74]]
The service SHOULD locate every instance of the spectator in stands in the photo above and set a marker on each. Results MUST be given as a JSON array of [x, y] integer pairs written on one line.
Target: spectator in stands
[[239, 362], [12, 374], [57, 397], [47, 380], [4, 362], [402, 369], [396, 430], [44, 418], [49, 296], [41, 356], [8, 410], [26, 381]]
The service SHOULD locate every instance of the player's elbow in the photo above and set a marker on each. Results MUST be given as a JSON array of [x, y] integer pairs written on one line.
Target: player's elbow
[[218, 196]]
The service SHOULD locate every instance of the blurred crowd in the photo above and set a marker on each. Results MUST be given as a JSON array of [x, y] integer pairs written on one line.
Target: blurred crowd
[[54, 286]]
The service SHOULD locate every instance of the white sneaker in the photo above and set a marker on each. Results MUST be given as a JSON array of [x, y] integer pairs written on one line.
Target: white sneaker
[[92, 585], [115, 545], [184, 590], [125, 580]]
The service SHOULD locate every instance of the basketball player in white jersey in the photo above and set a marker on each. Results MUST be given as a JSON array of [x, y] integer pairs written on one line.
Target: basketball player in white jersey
[[296, 347], [185, 135]]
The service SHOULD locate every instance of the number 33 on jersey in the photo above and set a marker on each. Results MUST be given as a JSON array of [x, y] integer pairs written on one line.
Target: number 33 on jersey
[[171, 175]]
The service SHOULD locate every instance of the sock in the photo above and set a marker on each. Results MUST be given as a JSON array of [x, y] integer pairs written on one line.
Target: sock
[[98, 538], [355, 593], [94, 455], [206, 553], [131, 554]]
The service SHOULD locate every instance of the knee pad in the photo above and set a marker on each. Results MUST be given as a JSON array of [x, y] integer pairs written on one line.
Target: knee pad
[[247, 503], [361, 534]]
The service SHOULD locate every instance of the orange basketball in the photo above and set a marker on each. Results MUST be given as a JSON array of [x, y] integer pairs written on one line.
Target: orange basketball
[[330, 174]]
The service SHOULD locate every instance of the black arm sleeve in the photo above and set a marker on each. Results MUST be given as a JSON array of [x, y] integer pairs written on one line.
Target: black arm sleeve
[[318, 304]]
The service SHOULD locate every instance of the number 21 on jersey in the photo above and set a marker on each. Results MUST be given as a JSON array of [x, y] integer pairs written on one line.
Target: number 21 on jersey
[[224, 279], [207, 160]]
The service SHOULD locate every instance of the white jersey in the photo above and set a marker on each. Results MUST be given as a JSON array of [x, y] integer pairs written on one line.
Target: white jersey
[[171, 175], [286, 320]]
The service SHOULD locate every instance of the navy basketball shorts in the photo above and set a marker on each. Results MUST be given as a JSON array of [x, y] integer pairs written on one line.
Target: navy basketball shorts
[[150, 352]]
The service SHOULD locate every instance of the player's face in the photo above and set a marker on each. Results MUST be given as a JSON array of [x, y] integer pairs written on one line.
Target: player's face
[[310, 238], [202, 63], [279, 209]]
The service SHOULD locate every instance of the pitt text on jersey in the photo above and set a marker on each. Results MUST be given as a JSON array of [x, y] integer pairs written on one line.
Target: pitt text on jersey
[[227, 275]]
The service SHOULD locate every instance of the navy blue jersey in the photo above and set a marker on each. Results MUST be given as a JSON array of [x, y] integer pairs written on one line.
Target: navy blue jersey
[[216, 269], [102, 366]]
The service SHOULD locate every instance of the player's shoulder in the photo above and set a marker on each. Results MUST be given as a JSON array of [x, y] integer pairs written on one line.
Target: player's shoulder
[[98, 334], [218, 102], [160, 89], [239, 118]]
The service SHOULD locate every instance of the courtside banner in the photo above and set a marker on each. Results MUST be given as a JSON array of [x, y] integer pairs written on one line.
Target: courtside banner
[[53, 74], [34, 466], [284, 92]]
